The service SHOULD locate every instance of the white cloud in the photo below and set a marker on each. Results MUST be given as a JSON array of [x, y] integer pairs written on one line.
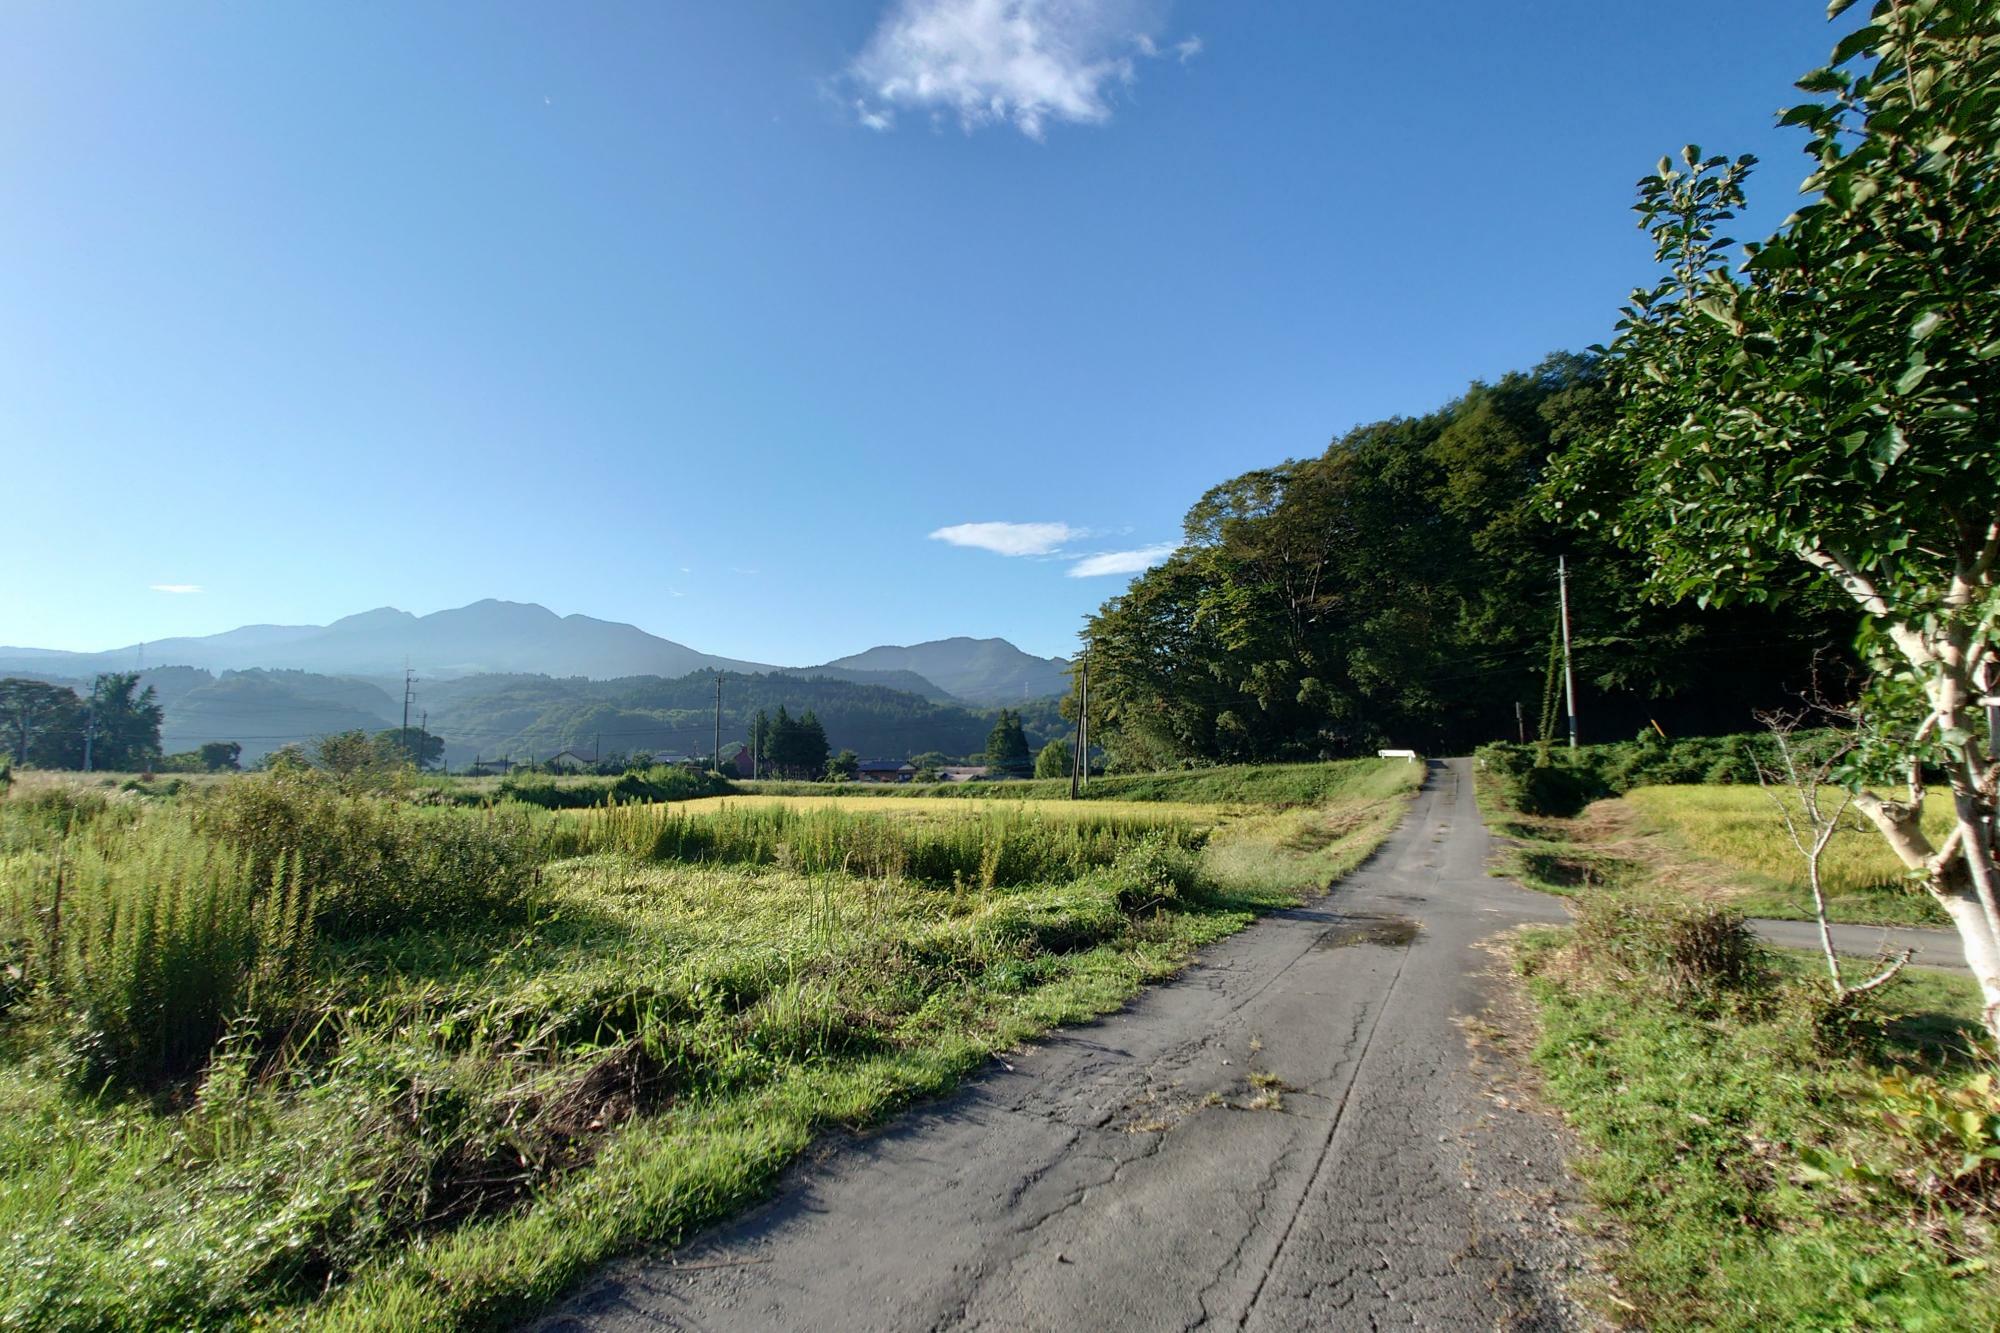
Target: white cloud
[[175, 587], [1121, 562], [1009, 538], [1019, 62]]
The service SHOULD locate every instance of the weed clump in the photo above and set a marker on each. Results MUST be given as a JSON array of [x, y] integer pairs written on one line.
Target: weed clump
[[1695, 951]]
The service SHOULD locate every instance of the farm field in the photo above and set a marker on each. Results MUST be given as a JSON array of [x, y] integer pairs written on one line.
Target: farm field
[[317, 1057], [1721, 843], [1737, 830]]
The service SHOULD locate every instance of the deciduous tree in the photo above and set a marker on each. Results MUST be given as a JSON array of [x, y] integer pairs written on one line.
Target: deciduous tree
[[1832, 402]]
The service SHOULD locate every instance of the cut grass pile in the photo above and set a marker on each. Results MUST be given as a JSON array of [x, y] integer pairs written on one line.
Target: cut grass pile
[[443, 1118], [1767, 1162]]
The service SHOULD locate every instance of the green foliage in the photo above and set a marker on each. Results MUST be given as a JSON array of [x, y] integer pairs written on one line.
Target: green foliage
[[1708, 1132], [41, 724], [1398, 590], [1007, 747], [843, 767], [1053, 760], [660, 782], [411, 746], [1571, 779], [374, 866], [145, 940], [123, 723], [450, 1122], [981, 848], [1695, 952]]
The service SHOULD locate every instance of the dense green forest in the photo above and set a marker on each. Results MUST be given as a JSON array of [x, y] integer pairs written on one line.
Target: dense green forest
[[1400, 589], [523, 715]]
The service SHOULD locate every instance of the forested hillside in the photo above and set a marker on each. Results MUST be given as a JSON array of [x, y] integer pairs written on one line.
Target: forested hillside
[[1400, 588], [522, 715]]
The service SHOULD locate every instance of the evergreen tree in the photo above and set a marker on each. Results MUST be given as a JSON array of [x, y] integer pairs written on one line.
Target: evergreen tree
[[812, 745], [760, 738], [124, 721], [1007, 752]]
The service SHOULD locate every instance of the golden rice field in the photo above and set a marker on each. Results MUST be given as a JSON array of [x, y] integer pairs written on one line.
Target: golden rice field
[[1738, 829]]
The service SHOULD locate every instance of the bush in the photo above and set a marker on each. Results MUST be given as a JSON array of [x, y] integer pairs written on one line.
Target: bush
[[661, 782], [1157, 872], [373, 865], [1695, 950], [1571, 779]]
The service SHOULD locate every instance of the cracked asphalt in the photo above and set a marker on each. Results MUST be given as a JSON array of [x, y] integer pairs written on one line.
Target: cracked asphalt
[[1303, 1129]]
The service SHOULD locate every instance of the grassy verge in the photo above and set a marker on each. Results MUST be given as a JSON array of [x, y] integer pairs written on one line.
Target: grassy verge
[[298, 1057], [1767, 1161]]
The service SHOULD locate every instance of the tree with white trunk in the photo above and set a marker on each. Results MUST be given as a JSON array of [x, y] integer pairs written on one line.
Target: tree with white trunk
[[1829, 402]]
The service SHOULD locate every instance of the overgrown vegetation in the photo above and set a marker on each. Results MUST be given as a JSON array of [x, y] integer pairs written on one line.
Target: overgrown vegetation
[[294, 1053], [1770, 1159], [1560, 781]]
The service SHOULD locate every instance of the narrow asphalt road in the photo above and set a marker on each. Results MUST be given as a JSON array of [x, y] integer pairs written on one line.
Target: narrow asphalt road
[[1928, 948], [1297, 1132]]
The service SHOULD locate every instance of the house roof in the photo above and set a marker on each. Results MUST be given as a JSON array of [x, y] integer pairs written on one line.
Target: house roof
[[884, 766]]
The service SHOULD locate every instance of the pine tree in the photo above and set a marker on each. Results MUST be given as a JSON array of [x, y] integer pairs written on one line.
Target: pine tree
[[1007, 751]]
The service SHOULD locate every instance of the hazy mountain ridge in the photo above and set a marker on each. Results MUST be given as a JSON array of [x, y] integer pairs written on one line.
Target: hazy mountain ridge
[[504, 677], [496, 637]]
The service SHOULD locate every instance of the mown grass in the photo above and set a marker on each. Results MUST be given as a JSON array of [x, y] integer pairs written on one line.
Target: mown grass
[[444, 1118], [1768, 1161]]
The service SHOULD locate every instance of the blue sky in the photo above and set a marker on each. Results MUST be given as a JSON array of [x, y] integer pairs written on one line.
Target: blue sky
[[780, 329]]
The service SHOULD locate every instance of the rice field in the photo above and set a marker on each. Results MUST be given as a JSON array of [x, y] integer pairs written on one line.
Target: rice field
[[1738, 830]]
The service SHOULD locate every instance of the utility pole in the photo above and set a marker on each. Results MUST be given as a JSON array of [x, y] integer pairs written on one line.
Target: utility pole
[[424, 740], [409, 681], [1520, 723], [89, 729], [1569, 674], [715, 755], [1082, 729]]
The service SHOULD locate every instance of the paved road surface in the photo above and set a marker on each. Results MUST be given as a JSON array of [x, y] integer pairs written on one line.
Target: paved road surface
[[1117, 1177], [1928, 948]]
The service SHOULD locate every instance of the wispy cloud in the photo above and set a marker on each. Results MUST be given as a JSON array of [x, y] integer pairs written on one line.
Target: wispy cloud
[[1135, 561], [176, 588], [1010, 538], [1019, 62]]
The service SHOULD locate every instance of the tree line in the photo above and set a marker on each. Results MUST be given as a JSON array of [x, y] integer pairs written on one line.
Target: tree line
[[115, 727], [1400, 589]]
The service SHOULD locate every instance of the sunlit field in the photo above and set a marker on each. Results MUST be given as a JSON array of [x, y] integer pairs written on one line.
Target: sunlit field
[[1738, 829], [285, 1053]]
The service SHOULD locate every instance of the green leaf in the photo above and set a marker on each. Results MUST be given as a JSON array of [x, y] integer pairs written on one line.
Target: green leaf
[[1835, 8], [1927, 324], [1908, 381]]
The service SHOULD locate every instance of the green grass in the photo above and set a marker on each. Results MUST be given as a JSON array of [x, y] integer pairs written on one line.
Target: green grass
[[1706, 1127], [448, 1122]]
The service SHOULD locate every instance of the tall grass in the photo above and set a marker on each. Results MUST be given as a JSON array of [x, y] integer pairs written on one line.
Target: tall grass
[[142, 941], [984, 849]]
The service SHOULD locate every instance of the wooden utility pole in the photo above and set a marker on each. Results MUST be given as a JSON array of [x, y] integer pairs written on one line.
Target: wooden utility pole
[[1569, 674], [1083, 723], [1520, 723], [715, 755]]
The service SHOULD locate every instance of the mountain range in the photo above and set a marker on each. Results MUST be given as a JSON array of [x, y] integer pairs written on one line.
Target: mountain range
[[501, 678], [523, 638]]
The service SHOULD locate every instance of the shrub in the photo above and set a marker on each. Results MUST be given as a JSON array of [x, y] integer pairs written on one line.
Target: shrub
[[1695, 950], [1157, 872], [373, 865]]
